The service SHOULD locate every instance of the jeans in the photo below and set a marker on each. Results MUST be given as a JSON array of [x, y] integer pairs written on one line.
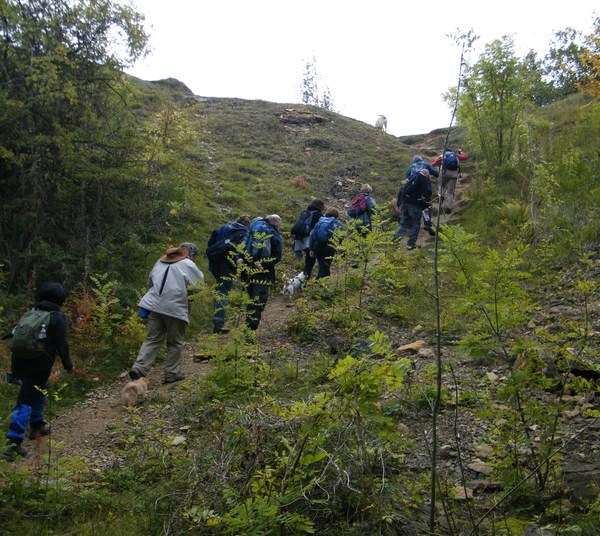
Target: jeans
[[259, 294], [223, 289], [410, 223], [159, 327], [29, 409]]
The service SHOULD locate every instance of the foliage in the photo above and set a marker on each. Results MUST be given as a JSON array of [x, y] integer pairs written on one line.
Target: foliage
[[310, 87], [495, 95], [590, 58]]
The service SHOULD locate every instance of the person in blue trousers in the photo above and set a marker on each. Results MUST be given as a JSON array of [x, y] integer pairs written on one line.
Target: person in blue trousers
[[46, 326], [222, 256]]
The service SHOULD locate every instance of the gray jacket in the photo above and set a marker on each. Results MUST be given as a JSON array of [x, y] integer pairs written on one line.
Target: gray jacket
[[168, 288]]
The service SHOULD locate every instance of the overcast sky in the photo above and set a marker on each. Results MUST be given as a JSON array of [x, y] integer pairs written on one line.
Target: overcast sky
[[378, 57]]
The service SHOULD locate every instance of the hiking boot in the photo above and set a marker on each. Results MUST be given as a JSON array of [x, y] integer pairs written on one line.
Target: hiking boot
[[430, 231], [135, 375], [409, 247], [39, 430], [173, 378], [220, 331], [14, 451]]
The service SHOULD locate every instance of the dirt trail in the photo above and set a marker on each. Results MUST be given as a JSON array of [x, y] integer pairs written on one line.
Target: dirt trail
[[86, 429]]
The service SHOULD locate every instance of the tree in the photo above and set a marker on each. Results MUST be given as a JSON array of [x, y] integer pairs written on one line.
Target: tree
[[590, 59], [69, 146], [310, 87], [562, 63], [496, 91]]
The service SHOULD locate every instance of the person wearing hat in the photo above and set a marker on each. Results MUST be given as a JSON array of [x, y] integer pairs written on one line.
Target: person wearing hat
[[264, 248], [39, 336], [414, 196], [165, 306]]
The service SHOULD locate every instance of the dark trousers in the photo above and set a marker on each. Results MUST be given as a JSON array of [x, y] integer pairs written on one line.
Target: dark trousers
[[324, 256], [259, 294], [309, 263], [410, 223], [29, 409], [224, 286]]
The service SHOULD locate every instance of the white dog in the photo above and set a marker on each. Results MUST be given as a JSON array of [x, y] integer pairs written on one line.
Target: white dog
[[294, 284]]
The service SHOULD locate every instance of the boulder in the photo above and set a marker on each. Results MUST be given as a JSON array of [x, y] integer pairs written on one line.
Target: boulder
[[480, 467], [411, 348]]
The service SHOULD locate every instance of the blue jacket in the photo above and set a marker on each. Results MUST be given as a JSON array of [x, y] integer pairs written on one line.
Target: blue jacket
[[417, 164]]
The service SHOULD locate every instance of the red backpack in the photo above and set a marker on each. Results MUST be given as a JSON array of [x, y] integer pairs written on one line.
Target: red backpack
[[359, 205]]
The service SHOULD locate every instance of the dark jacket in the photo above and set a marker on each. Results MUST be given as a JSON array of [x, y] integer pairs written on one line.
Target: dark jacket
[[223, 265], [56, 344], [416, 192]]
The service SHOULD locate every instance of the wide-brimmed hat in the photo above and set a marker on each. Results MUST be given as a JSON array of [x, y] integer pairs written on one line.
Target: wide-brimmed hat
[[174, 254]]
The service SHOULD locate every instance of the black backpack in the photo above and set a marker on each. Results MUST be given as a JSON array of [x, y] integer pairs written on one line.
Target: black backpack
[[303, 225]]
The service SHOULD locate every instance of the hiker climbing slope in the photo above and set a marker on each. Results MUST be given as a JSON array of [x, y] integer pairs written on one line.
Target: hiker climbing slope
[[166, 308], [38, 338], [321, 244], [264, 247], [221, 254], [362, 207], [413, 198], [301, 233], [449, 164]]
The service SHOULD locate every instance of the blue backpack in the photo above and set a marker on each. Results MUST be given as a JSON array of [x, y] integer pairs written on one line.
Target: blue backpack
[[259, 247], [450, 161], [325, 228]]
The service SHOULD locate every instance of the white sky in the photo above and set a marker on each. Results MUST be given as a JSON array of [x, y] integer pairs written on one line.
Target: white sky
[[377, 56]]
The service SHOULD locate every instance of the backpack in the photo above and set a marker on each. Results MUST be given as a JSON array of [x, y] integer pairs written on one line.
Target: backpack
[[29, 334], [358, 206], [450, 161], [259, 247], [222, 244], [302, 227], [325, 228], [409, 188]]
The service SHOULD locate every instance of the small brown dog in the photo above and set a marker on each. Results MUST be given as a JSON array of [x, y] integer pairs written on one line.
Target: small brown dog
[[134, 391]]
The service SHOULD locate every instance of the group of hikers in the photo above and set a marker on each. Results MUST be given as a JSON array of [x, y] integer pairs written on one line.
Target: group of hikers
[[246, 249]]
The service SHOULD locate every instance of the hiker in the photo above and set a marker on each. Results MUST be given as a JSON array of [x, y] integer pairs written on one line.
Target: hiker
[[320, 241], [221, 254], [264, 246], [165, 306], [39, 336], [301, 233], [450, 169], [362, 207], [414, 197]]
